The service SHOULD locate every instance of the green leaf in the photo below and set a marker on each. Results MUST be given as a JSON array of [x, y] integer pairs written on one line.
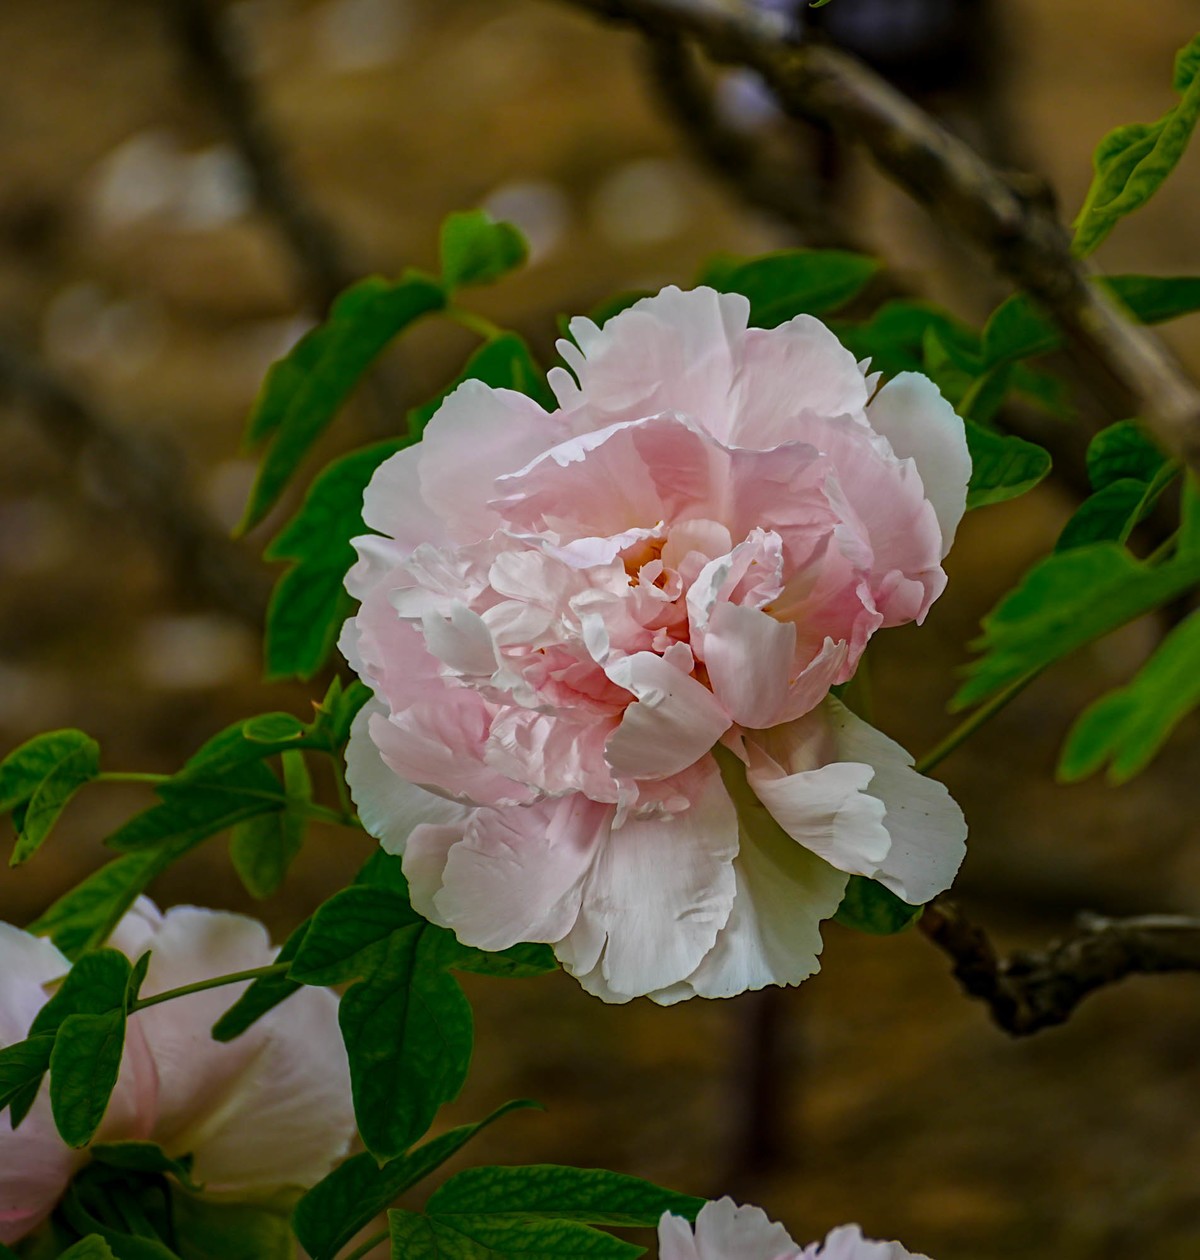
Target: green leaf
[[208, 1229], [22, 1066], [870, 907], [791, 282], [504, 362], [516, 962], [24, 770], [1120, 452], [408, 1034], [264, 994], [43, 775], [590, 1196], [1106, 516], [351, 1196], [349, 934], [1132, 162], [1128, 726], [96, 984], [1063, 602], [142, 1157], [894, 338], [415, 1237], [87, 914], [299, 401], [262, 848], [84, 1065], [1188, 545], [196, 806], [1002, 466], [309, 602], [476, 249], [93, 1247]]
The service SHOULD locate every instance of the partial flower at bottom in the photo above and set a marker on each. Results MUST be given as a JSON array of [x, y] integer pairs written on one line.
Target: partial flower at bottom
[[267, 1111], [725, 1231], [602, 641]]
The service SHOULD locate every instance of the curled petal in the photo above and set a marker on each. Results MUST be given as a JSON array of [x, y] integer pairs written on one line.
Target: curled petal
[[725, 1231]]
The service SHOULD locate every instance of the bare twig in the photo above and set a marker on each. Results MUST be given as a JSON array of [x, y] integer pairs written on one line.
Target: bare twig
[[1029, 991], [143, 478], [788, 195], [1017, 230], [216, 68]]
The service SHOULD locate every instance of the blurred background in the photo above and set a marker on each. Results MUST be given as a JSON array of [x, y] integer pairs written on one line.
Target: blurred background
[[182, 187]]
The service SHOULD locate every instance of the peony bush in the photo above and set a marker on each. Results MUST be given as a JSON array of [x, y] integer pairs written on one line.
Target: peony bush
[[608, 630]]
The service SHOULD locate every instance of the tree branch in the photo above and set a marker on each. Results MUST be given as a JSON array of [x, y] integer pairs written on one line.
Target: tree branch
[[215, 67], [144, 478], [1029, 991], [1015, 227]]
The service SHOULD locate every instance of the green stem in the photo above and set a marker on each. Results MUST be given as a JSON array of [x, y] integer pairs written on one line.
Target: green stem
[[369, 1245], [217, 982], [130, 776], [965, 729], [476, 323]]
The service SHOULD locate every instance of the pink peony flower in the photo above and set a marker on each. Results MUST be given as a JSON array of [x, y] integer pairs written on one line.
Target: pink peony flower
[[724, 1231], [566, 615], [269, 1110]]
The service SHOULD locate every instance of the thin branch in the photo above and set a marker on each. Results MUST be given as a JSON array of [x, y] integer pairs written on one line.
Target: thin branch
[[1029, 991], [1011, 224], [789, 196], [144, 479], [215, 66]]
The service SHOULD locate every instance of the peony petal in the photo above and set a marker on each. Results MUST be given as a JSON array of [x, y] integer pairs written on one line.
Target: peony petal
[[674, 722], [393, 505], [783, 892], [749, 657], [847, 1243], [725, 1231], [921, 425], [477, 435], [516, 874], [268, 1110], [675, 351], [389, 806], [927, 827], [786, 371], [675, 1238], [655, 897]]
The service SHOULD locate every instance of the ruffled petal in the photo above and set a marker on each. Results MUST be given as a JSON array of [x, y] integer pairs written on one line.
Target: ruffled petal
[[922, 426], [515, 874], [655, 897], [725, 1231], [927, 827]]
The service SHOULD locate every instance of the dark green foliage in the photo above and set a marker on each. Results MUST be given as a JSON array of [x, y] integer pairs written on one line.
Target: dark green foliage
[[476, 249], [870, 907], [791, 282], [39, 778]]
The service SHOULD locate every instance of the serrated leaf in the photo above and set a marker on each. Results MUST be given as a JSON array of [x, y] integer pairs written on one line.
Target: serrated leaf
[[351, 1196], [1128, 726], [262, 848], [1132, 162], [408, 1032], [791, 282], [504, 362], [477, 249], [1002, 466], [309, 602], [349, 934], [870, 907], [84, 1066], [591, 1196], [43, 775], [264, 994], [1063, 602], [330, 361]]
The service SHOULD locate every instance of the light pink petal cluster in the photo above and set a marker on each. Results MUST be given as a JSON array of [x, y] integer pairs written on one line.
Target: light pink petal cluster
[[725, 1231], [268, 1110], [564, 614]]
